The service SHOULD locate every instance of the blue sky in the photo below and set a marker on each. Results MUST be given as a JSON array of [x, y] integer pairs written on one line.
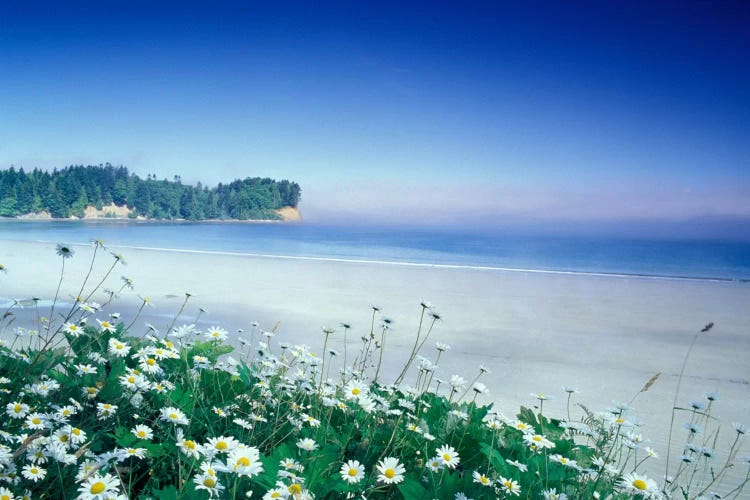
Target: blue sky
[[421, 112]]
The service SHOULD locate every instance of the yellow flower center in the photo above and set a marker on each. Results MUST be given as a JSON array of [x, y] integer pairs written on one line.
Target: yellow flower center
[[484, 479], [36, 421], [355, 391], [389, 473], [76, 431], [508, 485], [173, 416], [141, 434], [131, 379], [91, 390], [189, 444], [64, 438], [97, 488], [447, 457], [243, 462], [640, 484], [150, 362], [73, 327], [34, 470], [221, 445], [209, 482], [105, 324], [17, 408], [352, 472], [537, 438], [5, 497], [295, 489]]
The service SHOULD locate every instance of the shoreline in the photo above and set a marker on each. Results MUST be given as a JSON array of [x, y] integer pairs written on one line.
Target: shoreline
[[343, 260]]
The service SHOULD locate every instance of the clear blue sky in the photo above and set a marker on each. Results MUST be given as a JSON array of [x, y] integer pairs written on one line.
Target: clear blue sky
[[527, 111]]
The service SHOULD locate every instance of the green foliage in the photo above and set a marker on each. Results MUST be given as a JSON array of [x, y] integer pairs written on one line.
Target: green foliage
[[69, 191]]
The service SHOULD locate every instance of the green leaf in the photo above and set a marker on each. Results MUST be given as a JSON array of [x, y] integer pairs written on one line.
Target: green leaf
[[168, 493], [412, 489]]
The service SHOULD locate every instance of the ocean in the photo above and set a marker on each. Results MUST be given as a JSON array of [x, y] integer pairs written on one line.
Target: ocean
[[421, 246]]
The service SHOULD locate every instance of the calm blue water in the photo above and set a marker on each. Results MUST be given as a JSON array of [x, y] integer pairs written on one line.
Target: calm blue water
[[695, 259]]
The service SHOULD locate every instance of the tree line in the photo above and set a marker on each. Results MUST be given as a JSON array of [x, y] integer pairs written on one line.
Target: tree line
[[67, 192]]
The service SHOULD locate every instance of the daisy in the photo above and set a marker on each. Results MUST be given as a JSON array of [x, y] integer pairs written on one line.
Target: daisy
[[220, 444], [518, 465], [552, 494], [307, 444], [245, 461], [278, 492], [149, 365], [391, 471], [564, 461], [449, 456], [90, 307], [17, 409], [538, 441], [33, 472], [187, 446], [209, 483], [367, 404], [36, 421], [442, 347], [106, 326], [510, 486], [132, 452], [65, 251], [174, 415], [142, 431], [481, 479], [85, 370], [355, 390], [522, 426], [216, 333], [98, 487], [352, 471], [639, 484], [436, 464], [314, 422], [76, 435], [117, 348], [72, 329], [291, 464], [243, 423]]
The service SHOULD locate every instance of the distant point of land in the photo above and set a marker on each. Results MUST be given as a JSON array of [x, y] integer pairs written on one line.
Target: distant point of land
[[108, 192]]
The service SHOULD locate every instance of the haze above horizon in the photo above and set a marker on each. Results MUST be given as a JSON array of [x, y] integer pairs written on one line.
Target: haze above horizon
[[544, 114]]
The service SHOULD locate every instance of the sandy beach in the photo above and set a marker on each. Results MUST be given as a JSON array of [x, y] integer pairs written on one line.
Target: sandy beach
[[604, 335]]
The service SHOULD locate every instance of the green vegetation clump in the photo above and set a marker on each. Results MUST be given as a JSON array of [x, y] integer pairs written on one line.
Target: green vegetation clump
[[67, 192], [95, 407]]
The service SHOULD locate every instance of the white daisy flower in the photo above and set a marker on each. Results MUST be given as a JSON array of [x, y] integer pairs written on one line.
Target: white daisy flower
[[98, 487], [352, 471], [481, 479], [142, 431], [174, 415], [449, 456], [391, 471], [510, 486], [307, 444]]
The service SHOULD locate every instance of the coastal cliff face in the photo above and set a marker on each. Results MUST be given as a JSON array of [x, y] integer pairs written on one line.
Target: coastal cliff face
[[290, 214]]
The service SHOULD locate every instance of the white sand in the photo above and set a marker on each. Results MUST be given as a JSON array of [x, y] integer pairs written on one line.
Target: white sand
[[535, 331]]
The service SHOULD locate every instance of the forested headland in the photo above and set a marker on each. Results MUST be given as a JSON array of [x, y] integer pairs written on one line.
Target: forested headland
[[68, 192]]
